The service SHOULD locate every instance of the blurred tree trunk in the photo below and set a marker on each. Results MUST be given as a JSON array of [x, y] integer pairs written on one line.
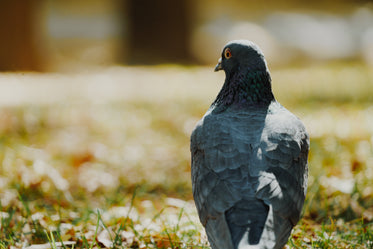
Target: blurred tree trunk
[[159, 31], [17, 46]]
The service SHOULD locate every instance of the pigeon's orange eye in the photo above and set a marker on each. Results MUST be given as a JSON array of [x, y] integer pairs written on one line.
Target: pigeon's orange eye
[[227, 53]]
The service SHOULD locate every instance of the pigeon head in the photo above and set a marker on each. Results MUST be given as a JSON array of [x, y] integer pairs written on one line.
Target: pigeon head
[[241, 55], [247, 79]]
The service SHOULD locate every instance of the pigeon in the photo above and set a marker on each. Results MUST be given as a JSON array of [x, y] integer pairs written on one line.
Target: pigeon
[[248, 158]]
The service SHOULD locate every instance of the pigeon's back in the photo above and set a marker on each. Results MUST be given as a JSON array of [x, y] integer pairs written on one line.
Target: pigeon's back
[[249, 174]]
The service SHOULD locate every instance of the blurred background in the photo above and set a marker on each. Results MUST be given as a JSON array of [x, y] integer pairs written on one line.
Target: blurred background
[[47, 35], [98, 99]]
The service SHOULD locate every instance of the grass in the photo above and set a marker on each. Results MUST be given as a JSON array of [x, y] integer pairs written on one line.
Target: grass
[[115, 173]]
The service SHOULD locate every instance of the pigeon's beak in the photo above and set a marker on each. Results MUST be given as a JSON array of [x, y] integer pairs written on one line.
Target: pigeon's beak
[[218, 66]]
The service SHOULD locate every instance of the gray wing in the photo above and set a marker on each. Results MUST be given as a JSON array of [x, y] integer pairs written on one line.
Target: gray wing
[[220, 177], [284, 147], [207, 192]]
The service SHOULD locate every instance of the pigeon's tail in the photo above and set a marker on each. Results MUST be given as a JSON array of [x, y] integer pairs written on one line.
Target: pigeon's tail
[[275, 233], [254, 225], [246, 221]]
